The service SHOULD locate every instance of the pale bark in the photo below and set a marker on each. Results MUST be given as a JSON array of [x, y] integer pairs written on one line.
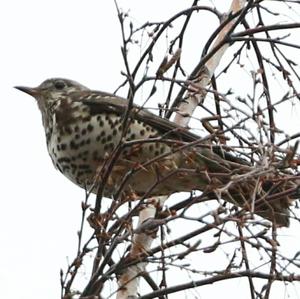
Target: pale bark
[[198, 93], [129, 281]]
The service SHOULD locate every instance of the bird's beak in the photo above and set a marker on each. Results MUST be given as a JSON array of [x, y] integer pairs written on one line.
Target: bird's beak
[[29, 90]]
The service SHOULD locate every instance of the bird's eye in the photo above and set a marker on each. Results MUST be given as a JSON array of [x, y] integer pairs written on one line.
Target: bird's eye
[[59, 85]]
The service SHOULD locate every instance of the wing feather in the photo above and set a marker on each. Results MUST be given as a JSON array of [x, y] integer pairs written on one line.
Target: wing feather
[[99, 102]]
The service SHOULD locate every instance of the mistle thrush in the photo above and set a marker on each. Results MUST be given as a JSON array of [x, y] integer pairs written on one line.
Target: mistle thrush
[[151, 155]]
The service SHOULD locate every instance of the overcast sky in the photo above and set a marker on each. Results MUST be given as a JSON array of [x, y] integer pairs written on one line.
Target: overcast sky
[[40, 209]]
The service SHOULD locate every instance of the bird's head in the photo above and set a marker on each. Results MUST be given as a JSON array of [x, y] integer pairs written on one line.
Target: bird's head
[[51, 93], [52, 89]]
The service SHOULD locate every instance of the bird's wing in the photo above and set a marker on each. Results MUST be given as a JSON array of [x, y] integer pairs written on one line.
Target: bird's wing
[[99, 102]]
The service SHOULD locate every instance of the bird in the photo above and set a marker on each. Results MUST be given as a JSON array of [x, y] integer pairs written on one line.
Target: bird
[[98, 139]]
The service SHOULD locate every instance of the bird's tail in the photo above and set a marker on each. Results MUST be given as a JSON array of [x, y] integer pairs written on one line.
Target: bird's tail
[[258, 189]]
